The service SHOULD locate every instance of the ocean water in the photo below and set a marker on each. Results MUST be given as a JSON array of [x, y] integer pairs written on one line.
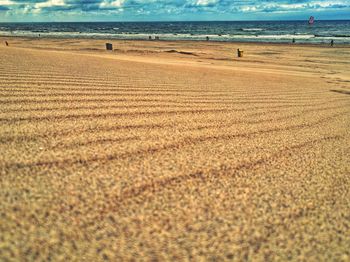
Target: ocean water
[[259, 31]]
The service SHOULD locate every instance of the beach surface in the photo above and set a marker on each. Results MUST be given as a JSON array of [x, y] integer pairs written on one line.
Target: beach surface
[[162, 151]]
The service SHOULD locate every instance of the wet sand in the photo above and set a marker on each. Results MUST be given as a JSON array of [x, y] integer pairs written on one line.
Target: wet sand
[[173, 151]]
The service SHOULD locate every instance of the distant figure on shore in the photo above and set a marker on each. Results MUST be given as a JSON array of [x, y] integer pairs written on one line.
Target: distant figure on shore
[[332, 43], [7, 44], [293, 41], [207, 38], [149, 37]]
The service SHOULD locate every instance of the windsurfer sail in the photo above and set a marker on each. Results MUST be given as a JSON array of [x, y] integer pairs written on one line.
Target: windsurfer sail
[[311, 20]]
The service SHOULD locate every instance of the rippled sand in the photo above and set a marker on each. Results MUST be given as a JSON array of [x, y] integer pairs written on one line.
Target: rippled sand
[[173, 151]]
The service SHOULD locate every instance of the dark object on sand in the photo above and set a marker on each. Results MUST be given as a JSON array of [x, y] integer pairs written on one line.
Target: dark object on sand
[[150, 38], [239, 53], [293, 41], [109, 46], [207, 38], [332, 42], [156, 38], [7, 44]]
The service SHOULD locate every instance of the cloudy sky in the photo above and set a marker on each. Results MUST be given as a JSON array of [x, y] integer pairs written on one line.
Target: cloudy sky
[[170, 10]]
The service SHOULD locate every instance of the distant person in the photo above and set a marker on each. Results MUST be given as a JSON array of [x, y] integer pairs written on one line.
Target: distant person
[[7, 44], [332, 43], [293, 41], [207, 38]]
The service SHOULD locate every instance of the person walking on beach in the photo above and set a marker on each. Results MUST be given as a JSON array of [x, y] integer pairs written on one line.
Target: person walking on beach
[[332, 43]]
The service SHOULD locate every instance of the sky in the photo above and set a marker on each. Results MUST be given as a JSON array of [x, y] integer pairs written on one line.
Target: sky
[[170, 10]]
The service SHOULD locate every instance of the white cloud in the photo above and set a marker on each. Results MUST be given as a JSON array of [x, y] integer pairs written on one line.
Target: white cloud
[[205, 2], [6, 2], [293, 7], [111, 4], [49, 3]]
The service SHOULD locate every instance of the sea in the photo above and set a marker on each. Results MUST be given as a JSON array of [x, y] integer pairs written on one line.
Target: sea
[[230, 31]]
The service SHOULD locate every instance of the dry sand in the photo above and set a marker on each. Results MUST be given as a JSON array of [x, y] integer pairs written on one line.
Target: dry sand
[[173, 151]]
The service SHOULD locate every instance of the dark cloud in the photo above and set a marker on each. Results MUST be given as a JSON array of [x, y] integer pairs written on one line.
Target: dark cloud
[[3, 8], [59, 8], [82, 2]]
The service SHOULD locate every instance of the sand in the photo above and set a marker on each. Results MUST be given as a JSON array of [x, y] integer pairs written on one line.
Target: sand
[[173, 151]]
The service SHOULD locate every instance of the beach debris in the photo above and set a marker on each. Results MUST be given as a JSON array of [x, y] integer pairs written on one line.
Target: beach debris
[[109, 46], [311, 20], [239, 53], [181, 52], [6, 43]]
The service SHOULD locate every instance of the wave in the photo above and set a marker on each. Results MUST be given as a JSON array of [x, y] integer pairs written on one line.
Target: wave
[[252, 29], [39, 31], [342, 36], [301, 38], [286, 36], [334, 35]]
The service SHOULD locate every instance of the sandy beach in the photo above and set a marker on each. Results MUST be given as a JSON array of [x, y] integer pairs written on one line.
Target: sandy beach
[[163, 151]]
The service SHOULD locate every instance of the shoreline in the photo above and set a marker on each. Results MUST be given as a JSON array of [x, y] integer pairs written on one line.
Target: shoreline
[[340, 45]]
